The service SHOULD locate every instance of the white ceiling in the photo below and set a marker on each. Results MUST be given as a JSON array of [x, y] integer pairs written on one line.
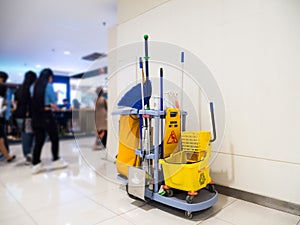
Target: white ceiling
[[35, 34]]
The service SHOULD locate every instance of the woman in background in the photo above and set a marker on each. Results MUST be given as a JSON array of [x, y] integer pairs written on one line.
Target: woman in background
[[3, 145], [44, 100], [23, 114], [101, 119]]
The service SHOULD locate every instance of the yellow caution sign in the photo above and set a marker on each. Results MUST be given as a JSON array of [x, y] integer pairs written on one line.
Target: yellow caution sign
[[172, 131]]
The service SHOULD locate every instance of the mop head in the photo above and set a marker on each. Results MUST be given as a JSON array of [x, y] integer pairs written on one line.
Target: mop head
[[133, 97]]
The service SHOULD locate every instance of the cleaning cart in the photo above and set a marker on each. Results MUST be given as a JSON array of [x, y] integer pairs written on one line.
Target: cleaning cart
[[157, 158]]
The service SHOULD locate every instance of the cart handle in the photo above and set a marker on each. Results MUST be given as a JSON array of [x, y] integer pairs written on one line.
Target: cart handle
[[212, 115]]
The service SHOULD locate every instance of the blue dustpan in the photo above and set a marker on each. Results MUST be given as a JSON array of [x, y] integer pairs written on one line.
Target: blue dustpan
[[133, 97]]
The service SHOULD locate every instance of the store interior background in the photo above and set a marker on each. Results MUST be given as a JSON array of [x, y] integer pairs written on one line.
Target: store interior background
[[252, 49], [55, 34]]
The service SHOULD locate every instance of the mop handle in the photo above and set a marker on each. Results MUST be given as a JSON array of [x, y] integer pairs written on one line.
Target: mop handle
[[182, 74], [181, 98], [212, 114], [161, 89], [146, 65], [142, 68], [146, 56], [162, 108], [142, 82]]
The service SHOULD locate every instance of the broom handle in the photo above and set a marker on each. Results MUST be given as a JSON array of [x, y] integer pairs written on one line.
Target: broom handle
[[212, 114], [146, 64], [181, 98], [142, 93], [142, 82], [161, 109]]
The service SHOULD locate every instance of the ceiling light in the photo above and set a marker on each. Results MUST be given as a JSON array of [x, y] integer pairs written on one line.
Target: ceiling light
[[67, 52], [94, 56], [38, 66]]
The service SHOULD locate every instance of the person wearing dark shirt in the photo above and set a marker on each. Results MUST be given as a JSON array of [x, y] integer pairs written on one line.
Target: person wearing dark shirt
[[65, 105], [22, 113], [3, 146], [43, 102]]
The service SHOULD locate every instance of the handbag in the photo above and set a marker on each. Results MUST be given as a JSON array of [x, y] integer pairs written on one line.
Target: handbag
[[27, 125]]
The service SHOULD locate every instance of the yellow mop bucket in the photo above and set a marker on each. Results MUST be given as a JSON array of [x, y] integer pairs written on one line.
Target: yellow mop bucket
[[183, 173], [188, 170]]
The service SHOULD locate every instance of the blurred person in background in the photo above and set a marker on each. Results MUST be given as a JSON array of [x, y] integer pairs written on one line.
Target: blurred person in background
[[23, 113], [66, 105], [4, 150], [75, 115], [3, 79], [43, 102], [100, 120]]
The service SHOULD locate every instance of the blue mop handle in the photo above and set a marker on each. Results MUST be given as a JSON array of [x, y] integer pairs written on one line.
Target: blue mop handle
[[161, 89], [141, 63], [161, 108]]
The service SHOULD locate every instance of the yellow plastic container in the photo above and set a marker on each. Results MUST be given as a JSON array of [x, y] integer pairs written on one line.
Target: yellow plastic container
[[195, 140], [128, 143], [188, 170], [183, 172]]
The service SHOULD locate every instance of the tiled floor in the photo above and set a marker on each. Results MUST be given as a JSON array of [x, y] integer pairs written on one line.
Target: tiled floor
[[88, 193]]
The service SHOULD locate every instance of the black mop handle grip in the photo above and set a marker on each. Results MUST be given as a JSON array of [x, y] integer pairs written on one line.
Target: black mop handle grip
[[146, 64], [161, 89], [146, 56]]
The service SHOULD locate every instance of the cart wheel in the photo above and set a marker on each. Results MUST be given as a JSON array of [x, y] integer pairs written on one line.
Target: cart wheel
[[188, 214], [211, 188], [169, 192], [189, 199]]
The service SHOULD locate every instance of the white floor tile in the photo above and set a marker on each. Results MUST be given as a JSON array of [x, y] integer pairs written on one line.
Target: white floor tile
[[9, 207], [214, 221], [89, 193], [117, 200], [17, 220], [149, 215], [55, 196], [89, 183], [117, 221], [246, 213], [80, 212], [223, 201]]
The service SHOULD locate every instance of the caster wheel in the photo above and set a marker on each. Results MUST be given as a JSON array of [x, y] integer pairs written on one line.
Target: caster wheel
[[211, 188], [169, 192], [189, 199], [188, 214]]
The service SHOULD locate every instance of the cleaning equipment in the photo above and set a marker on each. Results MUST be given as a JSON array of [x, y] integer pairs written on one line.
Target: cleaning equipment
[[172, 131], [164, 162], [128, 142], [188, 169], [133, 97]]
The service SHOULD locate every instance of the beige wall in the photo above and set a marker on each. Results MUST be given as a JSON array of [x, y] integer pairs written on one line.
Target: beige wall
[[128, 9], [252, 49]]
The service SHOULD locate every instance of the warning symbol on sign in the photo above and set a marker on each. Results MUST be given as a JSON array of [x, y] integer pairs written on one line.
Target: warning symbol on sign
[[172, 139]]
